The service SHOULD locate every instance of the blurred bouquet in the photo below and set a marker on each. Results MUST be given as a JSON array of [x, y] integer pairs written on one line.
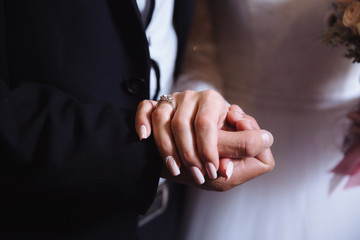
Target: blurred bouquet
[[344, 30]]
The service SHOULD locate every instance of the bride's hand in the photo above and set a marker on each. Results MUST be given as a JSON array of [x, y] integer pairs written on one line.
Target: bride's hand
[[189, 133], [192, 132]]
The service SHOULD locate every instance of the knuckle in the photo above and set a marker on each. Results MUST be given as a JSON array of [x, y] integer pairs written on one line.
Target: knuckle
[[143, 104], [188, 92], [178, 124], [236, 107], [204, 122], [249, 146], [163, 145], [240, 149], [188, 95], [175, 94], [211, 95], [252, 120], [187, 155], [206, 155], [189, 158], [158, 114], [183, 95]]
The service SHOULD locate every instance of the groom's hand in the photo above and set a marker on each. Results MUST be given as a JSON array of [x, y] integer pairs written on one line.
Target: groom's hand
[[253, 164]]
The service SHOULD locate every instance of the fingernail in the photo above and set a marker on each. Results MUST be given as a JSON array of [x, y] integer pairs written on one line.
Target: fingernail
[[229, 170], [172, 166], [198, 176], [143, 132], [267, 138], [211, 170]]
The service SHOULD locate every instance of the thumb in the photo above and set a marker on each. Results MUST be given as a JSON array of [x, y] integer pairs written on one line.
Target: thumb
[[247, 143]]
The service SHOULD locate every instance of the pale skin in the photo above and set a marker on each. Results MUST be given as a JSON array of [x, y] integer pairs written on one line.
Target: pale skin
[[224, 145]]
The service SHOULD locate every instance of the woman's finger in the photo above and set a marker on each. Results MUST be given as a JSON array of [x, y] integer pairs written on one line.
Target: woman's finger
[[143, 118], [182, 128], [211, 114], [161, 119]]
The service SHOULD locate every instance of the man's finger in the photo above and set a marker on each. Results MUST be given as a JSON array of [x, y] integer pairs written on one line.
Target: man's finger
[[237, 118]]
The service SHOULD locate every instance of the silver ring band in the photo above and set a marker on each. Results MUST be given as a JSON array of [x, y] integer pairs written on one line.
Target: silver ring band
[[166, 98]]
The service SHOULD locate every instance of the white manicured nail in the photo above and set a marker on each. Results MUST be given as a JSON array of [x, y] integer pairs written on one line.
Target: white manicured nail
[[211, 170], [267, 138], [143, 132], [229, 170], [198, 176], [172, 166]]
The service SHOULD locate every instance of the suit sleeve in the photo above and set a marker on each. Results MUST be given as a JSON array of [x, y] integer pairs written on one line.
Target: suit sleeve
[[52, 145]]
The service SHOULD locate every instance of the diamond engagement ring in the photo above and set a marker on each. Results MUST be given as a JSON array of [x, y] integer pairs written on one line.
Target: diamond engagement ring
[[166, 98]]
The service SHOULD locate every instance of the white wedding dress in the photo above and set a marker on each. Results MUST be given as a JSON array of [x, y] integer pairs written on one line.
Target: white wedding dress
[[275, 67]]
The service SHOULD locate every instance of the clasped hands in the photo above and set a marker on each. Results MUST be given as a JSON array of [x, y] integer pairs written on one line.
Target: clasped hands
[[205, 142]]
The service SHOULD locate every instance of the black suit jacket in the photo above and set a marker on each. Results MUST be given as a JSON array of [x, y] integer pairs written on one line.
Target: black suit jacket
[[71, 76]]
